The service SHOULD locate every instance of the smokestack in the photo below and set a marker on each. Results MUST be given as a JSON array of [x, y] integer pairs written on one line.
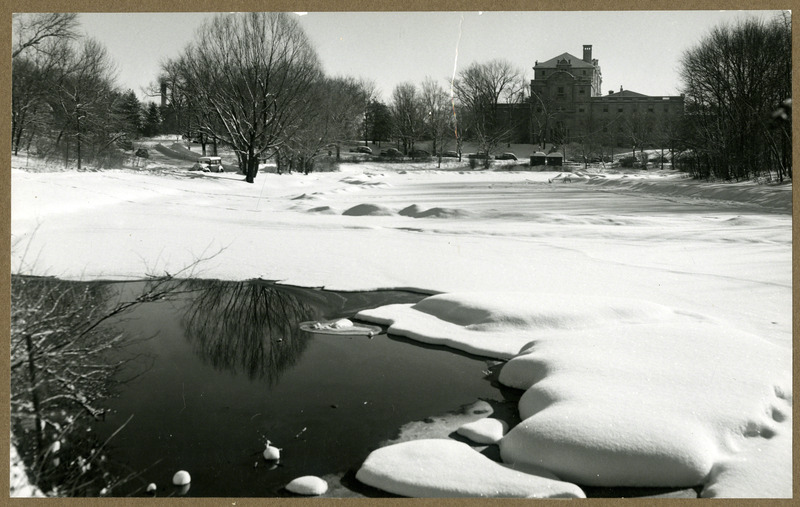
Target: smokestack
[[163, 93], [587, 53]]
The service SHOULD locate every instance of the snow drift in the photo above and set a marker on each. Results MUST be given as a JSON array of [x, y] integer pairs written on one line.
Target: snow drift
[[621, 392]]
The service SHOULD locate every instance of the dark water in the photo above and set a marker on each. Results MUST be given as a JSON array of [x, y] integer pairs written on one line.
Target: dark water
[[229, 368]]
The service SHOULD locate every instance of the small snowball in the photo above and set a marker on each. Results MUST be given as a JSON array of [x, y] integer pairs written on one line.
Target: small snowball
[[151, 488], [272, 453], [181, 478], [308, 485], [341, 323]]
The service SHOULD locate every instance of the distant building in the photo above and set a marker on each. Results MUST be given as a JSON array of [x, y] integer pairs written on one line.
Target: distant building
[[567, 105]]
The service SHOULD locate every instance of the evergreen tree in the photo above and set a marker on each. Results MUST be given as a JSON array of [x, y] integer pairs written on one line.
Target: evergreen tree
[[152, 120]]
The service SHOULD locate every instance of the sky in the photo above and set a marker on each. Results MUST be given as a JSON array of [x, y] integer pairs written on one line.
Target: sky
[[637, 50]]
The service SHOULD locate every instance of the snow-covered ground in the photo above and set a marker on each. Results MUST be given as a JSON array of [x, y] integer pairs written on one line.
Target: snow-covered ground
[[648, 316]]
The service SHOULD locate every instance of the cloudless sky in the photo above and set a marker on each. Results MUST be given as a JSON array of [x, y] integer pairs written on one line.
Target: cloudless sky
[[638, 50]]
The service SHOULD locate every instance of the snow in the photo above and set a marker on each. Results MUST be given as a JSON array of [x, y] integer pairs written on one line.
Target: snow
[[309, 485], [659, 309], [436, 468], [484, 431]]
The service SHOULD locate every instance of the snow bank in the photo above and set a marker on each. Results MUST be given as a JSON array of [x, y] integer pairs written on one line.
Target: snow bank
[[436, 468], [497, 324], [622, 392]]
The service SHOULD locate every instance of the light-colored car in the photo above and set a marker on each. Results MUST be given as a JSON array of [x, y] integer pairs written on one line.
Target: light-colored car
[[208, 164]]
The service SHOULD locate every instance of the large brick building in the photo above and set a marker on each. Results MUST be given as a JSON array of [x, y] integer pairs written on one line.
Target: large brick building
[[566, 105]]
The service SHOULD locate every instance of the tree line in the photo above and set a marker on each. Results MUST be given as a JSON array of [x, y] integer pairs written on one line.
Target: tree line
[[738, 87], [249, 81], [65, 101], [253, 82]]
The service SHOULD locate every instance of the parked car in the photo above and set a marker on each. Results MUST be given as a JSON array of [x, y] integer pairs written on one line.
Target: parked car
[[506, 156], [361, 149], [450, 154], [480, 155], [419, 154], [208, 164], [391, 152]]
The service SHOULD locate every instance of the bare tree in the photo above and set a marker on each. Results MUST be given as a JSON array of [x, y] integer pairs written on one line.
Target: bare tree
[[31, 31], [481, 88], [39, 61], [438, 115], [407, 115], [733, 80], [250, 75], [82, 103]]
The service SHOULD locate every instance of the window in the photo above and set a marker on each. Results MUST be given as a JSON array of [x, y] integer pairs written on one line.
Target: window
[[561, 90], [538, 109], [619, 109], [605, 109], [543, 73], [666, 109], [650, 109], [580, 109], [581, 91]]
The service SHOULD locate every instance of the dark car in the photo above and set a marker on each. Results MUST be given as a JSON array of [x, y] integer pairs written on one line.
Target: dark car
[[506, 156], [361, 149], [479, 155], [419, 154], [391, 152], [450, 154]]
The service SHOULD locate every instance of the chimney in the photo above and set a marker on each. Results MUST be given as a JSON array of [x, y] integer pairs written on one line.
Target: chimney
[[620, 87], [163, 93], [587, 53]]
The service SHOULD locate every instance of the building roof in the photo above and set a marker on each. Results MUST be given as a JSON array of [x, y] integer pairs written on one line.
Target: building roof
[[623, 94], [576, 62]]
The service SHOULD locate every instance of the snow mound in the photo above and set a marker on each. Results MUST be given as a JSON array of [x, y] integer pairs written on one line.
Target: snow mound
[[325, 210], [361, 210], [410, 211], [646, 405], [437, 468], [484, 431], [308, 485], [303, 197], [624, 392], [442, 213], [500, 324]]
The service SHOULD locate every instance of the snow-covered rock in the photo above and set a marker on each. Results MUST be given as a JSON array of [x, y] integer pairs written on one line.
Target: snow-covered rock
[[181, 478], [446, 468], [484, 431], [308, 485]]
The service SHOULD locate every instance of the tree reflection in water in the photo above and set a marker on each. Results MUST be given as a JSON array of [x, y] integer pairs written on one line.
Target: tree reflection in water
[[246, 327]]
